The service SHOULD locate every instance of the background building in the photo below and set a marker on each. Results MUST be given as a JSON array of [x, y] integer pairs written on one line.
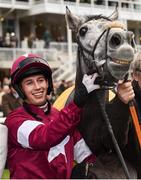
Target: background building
[[39, 26]]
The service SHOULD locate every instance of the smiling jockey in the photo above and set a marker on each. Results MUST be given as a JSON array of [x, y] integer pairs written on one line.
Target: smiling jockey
[[42, 141]]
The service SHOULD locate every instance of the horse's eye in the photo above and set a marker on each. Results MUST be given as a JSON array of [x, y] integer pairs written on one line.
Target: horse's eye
[[83, 31]]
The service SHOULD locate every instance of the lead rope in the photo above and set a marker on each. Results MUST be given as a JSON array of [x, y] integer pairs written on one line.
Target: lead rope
[[110, 129]]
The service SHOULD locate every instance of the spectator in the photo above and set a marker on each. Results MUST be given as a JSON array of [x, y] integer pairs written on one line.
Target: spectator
[[24, 43], [3, 90], [7, 40], [10, 101], [31, 40], [1, 42], [6, 88], [6, 81], [47, 38], [14, 40], [70, 83], [61, 87], [43, 142]]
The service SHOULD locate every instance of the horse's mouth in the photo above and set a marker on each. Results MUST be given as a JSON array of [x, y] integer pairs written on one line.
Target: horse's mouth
[[121, 61]]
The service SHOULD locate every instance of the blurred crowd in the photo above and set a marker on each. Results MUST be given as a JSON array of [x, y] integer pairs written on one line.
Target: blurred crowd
[[9, 40], [30, 41], [59, 87], [9, 99]]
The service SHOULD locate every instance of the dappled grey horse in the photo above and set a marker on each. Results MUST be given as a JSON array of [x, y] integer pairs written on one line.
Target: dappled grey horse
[[106, 47]]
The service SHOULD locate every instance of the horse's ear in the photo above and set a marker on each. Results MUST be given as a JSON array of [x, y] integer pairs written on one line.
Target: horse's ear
[[114, 15], [72, 20]]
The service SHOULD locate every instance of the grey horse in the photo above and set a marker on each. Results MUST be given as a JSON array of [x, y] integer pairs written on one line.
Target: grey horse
[[106, 47]]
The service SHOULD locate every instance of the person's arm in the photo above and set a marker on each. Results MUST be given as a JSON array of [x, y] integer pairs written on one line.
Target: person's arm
[[37, 135], [125, 92]]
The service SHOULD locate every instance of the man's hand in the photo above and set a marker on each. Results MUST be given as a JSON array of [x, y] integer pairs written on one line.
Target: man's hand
[[89, 82], [87, 86], [125, 91]]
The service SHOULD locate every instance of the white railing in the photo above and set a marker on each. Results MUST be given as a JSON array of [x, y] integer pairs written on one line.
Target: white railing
[[57, 57], [14, 4], [63, 46], [122, 4], [7, 55], [129, 5]]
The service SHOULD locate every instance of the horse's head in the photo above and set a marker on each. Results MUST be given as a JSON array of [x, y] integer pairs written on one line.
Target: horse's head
[[104, 45]]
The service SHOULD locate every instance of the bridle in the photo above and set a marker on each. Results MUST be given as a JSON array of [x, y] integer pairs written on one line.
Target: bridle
[[92, 65], [82, 49]]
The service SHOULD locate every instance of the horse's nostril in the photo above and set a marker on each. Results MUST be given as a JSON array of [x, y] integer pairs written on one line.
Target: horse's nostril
[[115, 41]]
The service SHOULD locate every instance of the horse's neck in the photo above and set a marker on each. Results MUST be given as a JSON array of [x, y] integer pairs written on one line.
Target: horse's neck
[[101, 98], [79, 76], [80, 70]]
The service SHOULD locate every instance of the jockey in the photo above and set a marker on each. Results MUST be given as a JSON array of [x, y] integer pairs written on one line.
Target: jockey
[[42, 141]]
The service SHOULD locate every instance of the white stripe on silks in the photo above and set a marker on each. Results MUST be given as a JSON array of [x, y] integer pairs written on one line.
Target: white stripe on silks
[[24, 131], [81, 151], [58, 149]]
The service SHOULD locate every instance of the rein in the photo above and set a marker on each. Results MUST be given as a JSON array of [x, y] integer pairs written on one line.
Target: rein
[[110, 129]]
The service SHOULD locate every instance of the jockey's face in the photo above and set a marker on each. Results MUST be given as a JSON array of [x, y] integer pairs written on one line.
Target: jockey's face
[[35, 88]]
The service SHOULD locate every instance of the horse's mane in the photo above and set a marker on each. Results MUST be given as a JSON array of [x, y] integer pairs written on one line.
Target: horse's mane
[[96, 17]]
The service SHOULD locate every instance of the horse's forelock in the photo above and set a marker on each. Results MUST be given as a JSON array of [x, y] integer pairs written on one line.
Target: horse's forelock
[[97, 17], [115, 24]]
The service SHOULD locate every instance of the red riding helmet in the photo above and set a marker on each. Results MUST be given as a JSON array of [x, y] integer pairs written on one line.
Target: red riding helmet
[[27, 65]]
